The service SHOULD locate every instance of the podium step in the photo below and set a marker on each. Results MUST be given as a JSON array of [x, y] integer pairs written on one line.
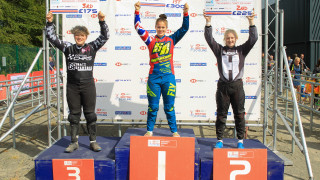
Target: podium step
[[122, 150], [275, 165], [104, 161]]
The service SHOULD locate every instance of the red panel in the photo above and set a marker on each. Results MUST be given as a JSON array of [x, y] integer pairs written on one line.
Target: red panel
[[167, 157], [240, 164], [73, 169]]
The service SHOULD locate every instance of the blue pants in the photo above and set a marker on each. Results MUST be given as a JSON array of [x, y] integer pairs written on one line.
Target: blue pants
[[165, 85]]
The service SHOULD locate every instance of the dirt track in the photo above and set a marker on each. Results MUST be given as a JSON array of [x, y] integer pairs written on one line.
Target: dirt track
[[18, 164]]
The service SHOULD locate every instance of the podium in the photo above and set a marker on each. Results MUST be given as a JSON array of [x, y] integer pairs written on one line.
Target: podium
[[122, 150], [275, 165], [104, 163], [113, 161]]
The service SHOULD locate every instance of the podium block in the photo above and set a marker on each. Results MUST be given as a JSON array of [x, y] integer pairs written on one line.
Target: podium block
[[122, 149], [104, 161], [162, 158], [275, 165]]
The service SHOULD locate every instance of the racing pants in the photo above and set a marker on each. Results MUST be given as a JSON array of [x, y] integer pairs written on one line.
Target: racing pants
[[165, 85], [82, 94], [230, 92]]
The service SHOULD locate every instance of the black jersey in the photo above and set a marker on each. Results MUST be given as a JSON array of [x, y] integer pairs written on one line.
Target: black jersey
[[79, 60], [231, 60]]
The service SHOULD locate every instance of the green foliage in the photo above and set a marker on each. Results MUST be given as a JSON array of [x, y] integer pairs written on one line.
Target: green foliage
[[22, 21], [18, 58]]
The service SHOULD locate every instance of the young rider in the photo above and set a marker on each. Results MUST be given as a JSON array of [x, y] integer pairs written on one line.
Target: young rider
[[230, 59], [161, 75], [81, 90]]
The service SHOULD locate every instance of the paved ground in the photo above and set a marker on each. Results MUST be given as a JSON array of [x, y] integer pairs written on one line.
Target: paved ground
[[31, 137]]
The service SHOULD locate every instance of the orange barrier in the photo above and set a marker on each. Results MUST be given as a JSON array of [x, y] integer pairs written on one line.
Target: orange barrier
[[35, 77], [18, 78], [3, 92], [308, 87]]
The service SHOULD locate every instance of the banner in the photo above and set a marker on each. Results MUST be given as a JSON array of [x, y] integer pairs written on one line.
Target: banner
[[122, 64], [17, 78], [227, 7], [74, 7]]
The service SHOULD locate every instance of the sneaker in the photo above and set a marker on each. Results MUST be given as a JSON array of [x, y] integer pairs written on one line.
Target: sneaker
[[219, 144], [240, 145], [94, 146], [72, 147], [148, 134], [175, 134]]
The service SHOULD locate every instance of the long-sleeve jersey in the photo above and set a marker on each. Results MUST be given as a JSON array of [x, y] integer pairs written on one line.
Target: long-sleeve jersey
[[231, 60], [161, 49], [79, 60]]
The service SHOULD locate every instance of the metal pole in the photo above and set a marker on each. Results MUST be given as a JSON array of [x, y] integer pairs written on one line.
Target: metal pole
[[281, 54], [304, 144], [58, 80], [265, 119], [47, 80], [20, 88], [20, 122], [276, 59]]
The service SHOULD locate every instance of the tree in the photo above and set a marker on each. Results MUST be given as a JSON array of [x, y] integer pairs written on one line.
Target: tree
[[22, 21]]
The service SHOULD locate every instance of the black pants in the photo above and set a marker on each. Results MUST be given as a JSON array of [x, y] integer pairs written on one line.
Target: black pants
[[82, 94], [230, 92]]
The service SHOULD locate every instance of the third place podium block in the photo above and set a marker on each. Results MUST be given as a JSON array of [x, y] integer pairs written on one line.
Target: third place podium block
[[160, 157]]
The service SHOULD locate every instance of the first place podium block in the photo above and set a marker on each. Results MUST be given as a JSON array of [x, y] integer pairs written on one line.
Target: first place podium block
[[103, 161], [122, 149], [162, 158]]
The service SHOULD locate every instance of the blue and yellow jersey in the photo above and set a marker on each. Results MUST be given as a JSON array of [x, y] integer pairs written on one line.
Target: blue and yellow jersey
[[161, 49]]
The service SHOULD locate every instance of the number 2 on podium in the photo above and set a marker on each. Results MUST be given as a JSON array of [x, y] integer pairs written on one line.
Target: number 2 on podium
[[246, 170]]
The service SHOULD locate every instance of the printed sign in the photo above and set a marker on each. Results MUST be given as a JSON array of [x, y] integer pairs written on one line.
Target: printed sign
[[161, 158], [73, 169], [74, 6], [227, 7], [240, 164]]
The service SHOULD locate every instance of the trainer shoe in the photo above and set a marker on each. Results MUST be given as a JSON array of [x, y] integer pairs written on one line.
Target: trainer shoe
[[240, 145], [219, 144], [94, 146], [175, 134], [72, 147], [148, 134]]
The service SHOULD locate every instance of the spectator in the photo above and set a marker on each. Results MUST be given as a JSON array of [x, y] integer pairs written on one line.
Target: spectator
[[51, 64], [316, 72], [289, 60], [303, 63], [270, 62], [296, 70]]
